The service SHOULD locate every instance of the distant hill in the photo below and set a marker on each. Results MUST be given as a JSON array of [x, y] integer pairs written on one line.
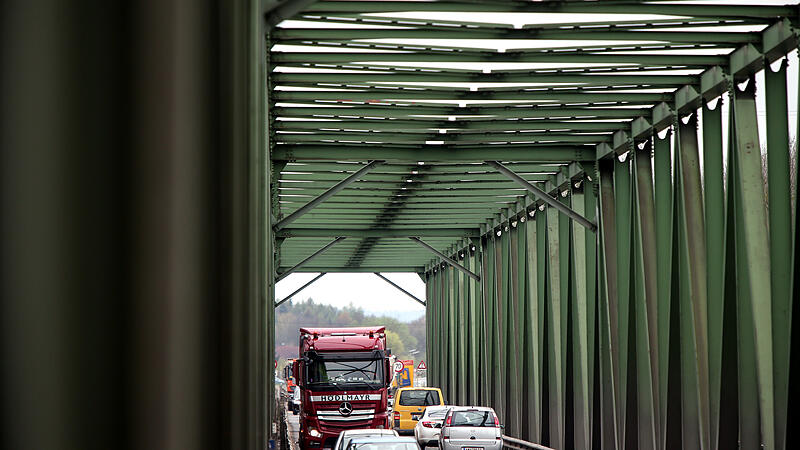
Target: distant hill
[[405, 330]]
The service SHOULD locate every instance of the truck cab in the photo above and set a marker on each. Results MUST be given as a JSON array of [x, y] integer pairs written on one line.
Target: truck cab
[[343, 375]]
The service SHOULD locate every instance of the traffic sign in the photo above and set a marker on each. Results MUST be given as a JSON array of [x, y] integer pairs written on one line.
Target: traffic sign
[[422, 365], [398, 366]]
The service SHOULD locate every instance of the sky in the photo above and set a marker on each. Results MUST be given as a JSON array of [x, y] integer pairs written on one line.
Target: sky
[[364, 290], [374, 295]]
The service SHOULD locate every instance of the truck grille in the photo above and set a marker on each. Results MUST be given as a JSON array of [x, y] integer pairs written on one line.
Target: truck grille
[[332, 416]]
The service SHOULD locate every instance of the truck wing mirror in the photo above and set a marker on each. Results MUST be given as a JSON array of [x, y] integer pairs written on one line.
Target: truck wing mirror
[[296, 372]]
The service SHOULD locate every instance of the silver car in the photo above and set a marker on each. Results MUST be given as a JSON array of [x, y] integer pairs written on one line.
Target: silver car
[[347, 435], [428, 428], [383, 443], [471, 428]]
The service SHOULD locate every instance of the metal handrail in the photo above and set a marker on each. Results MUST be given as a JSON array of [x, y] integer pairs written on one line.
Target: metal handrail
[[519, 444]]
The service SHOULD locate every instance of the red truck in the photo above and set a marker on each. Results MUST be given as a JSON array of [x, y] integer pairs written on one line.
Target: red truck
[[343, 374]]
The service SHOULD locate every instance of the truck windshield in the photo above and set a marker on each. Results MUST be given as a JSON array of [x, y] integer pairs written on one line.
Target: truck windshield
[[342, 371]]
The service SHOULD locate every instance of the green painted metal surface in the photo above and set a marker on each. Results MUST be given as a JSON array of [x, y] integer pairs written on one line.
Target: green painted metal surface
[[670, 326]]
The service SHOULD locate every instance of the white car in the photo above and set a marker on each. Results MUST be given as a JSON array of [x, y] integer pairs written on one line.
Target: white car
[[429, 426], [467, 427], [347, 435], [382, 443]]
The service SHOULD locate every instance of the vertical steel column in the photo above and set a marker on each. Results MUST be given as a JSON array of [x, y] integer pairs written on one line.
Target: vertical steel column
[[645, 299], [431, 343], [476, 326], [715, 250], [780, 239], [749, 435], [694, 300], [513, 362], [590, 242], [501, 311], [461, 328], [581, 385], [608, 334], [663, 187], [555, 325], [486, 279], [452, 334], [623, 220], [756, 248], [534, 319]]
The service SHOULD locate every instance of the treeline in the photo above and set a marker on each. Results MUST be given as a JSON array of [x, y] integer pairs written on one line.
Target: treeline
[[406, 339]]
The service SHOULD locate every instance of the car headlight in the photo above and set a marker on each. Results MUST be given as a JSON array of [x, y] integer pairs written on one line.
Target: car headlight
[[313, 432]]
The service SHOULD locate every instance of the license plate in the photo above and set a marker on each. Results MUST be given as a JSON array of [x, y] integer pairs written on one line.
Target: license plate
[[471, 448], [415, 416]]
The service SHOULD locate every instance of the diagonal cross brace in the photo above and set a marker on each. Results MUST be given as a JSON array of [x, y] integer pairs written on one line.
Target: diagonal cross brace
[[422, 302], [448, 260], [543, 196], [324, 196], [297, 291], [305, 261]]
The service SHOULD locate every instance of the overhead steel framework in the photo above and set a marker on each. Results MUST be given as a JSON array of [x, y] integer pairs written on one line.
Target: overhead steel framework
[[614, 256]]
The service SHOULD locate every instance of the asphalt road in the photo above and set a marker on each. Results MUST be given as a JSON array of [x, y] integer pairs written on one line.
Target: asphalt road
[[293, 424]]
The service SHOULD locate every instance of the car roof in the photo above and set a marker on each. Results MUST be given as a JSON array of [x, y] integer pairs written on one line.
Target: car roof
[[419, 389], [368, 431], [398, 439]]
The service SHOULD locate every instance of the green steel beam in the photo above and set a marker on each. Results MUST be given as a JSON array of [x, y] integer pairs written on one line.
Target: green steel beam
[[387, 232], [431, 153], [295, 35], [442, 139], [477, 179], [403, 77], [687, 10], [511, 96], [281, 58], [460, 127], [419, 112], [446, 258], [543, 196], [364, 269], [755, 249], [324, 196], [470, 25], [780, 231], [289, 271]]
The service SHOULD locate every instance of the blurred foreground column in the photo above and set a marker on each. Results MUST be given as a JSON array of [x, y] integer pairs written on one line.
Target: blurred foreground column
[[133, 255]]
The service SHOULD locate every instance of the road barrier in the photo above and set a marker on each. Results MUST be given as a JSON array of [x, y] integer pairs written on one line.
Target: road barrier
[[519, 444]]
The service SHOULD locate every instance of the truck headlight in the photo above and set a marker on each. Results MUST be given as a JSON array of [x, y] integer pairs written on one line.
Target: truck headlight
[[313, 432]]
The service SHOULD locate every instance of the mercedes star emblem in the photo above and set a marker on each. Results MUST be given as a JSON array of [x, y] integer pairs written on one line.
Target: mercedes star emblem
[[345, 408]]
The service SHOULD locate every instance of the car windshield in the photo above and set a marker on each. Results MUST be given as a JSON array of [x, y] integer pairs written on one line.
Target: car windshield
[[437, 414], [419, 398], [385, 446], [346, 440], [472, 419], [369, 371]]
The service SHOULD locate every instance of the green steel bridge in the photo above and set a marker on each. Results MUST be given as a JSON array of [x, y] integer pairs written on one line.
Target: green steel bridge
[[600, 196]]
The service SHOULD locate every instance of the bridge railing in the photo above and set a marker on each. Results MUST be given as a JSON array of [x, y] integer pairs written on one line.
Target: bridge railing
[[519, 444]]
